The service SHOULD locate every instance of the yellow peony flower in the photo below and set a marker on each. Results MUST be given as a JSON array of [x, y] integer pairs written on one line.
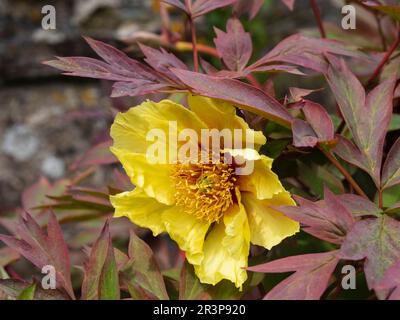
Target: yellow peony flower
[[210, 211]]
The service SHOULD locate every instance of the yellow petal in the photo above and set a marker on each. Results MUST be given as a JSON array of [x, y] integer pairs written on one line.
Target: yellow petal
[[154, 179], [130, 129], [187, 231], [142, 210], [219, 114], [262, 182], [269, 227], [226, 249], [146, 212]]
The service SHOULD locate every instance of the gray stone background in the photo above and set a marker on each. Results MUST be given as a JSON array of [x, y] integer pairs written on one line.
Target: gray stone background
[[47, 120]]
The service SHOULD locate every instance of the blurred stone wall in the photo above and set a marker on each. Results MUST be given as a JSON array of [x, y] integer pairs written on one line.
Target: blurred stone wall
[[46, 119]]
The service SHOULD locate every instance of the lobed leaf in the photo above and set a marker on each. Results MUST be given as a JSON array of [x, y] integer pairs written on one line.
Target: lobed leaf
[[367, 117], [306, 52], [142, 273], [391, 281], [328, 219], [42, 249], [377, 240], [310, 280], [251, 7], [391, 168], [234, 46], [201, 7]]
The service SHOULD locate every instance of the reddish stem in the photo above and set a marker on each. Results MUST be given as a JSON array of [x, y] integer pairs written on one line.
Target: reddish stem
[[380, 198], [194, 41], [317, 15], [343, 171], [385, 59], [194, 37]]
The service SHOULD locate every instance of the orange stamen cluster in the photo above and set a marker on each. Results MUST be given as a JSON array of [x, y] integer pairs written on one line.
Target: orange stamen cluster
[[205, 190]]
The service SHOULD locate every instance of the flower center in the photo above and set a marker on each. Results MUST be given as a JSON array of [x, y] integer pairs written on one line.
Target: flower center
[[205, 190]]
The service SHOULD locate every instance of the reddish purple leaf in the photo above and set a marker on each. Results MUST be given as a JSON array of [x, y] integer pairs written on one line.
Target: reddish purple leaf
[[275, 68], [327, 219], [134, 78], [349, 152], [377, 240], [42, 249], [37, 194], [320, 121], [310, 280], [251, 7], [120, 62], [297, 94], [359, 206], [242, 94], [391, 168], [289, 4], [97, 155], [123, 89], [303, 134], [234, 46], [162, 61], [367, 117], [177, 4], [7, 256], [201, 7], [305, 52], [391, 281]]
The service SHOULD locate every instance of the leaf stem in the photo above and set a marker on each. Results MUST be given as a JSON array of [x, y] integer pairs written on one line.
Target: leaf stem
[[380, 198], [385, 59], [317, 14], [188, 46], [194, 36], [343, 171]]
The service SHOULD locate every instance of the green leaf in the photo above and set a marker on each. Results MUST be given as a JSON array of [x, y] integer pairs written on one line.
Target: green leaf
[[14, 288], [28, 293], [101, 278], [109, 283], [315, 177], [391, 196], [190, 287], [395, 122], [142, 274], [393, 11]]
